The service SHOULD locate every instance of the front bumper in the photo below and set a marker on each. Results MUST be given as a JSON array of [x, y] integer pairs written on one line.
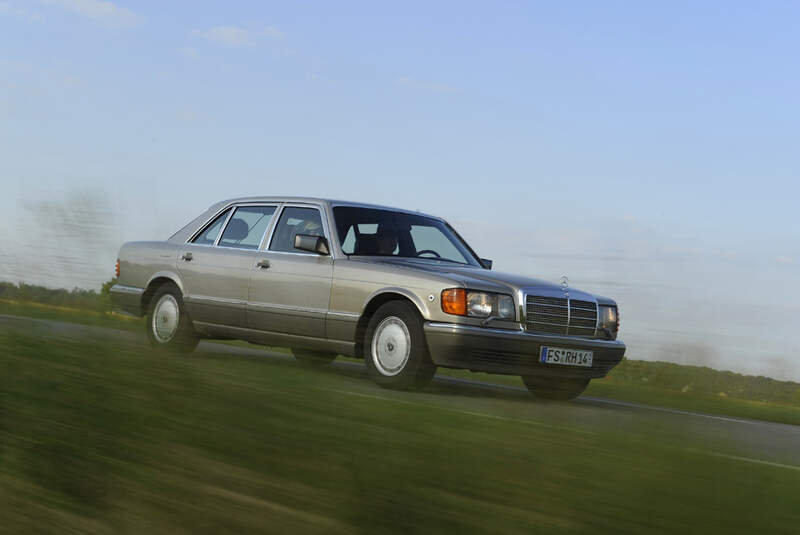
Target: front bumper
[[515, 352]]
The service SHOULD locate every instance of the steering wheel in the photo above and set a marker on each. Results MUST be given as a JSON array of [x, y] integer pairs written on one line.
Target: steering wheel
[[424, 251]]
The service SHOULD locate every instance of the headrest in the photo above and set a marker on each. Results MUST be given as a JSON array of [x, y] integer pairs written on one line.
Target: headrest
[[366, 244]]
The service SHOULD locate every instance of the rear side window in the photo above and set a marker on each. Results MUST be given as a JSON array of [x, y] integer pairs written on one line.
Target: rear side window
[[247, 227], [295, 220], [209, 235]]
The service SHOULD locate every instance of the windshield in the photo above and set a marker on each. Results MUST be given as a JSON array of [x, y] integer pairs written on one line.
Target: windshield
[[374, 232]]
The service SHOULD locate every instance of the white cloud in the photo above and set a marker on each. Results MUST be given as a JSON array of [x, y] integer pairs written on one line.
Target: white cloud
[[237, 37], [785, 260], [7, 8], [230, 36], [99, 10]]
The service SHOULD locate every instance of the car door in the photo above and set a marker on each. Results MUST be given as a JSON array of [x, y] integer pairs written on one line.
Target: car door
[[215, 264], [290, 289]]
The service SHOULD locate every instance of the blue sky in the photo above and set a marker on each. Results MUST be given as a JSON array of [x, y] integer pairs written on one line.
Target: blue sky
[[647, 150]]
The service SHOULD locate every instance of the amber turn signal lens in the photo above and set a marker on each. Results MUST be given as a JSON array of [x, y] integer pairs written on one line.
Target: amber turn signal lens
[[454, 301], [116, 269]]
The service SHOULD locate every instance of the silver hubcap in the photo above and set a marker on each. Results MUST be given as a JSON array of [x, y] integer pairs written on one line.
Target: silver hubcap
[[391, 346], [166, 315]]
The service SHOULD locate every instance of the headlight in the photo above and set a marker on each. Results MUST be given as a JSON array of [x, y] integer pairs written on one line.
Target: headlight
[[609, 321], [463, 302], [505, 307], [480, 304]]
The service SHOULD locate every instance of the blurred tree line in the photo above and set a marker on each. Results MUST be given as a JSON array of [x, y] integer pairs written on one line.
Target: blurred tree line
[[704, 381], [75, 298]]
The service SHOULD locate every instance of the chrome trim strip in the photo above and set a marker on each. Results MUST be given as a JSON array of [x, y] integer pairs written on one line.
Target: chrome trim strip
[[236, 209], [343, 316], [548, 323], [268, 231], [460, 328], [277, 217], [224, 226], [202, 227], [204, 299], [278, 338], [323, 220], [530, 310], [285, 308], [287, 252], [559, 316], [232, 204], [122, 289]]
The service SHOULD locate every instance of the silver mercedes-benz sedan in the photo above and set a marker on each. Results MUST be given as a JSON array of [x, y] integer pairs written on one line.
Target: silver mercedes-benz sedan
[[400, 289]]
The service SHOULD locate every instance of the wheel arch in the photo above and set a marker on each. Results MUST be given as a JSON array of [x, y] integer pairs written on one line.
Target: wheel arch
[[374, 302], [156, 282]]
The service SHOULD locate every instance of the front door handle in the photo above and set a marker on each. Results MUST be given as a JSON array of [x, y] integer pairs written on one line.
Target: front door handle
[[187, 257], [263, 264]]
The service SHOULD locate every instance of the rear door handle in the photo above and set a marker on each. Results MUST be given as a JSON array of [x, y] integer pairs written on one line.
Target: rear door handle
[[263, 264], [187, 257]]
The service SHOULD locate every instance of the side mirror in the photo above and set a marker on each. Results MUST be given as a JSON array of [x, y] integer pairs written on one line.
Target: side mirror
[[486, 263], [313, 244]]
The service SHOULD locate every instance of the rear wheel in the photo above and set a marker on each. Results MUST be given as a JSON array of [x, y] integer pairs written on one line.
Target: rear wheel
[[168, 325], [313, 358], [557, 389], [395, 350]]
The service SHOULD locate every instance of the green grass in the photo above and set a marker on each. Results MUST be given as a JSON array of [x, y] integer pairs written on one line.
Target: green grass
[[98, 438], [611, 388], [73, 315], [654, 383]]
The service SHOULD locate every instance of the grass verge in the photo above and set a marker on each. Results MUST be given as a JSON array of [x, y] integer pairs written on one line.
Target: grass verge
[[652, 383], [112, 438]]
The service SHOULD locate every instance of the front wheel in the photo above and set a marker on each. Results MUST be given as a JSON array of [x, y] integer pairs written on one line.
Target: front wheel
[[168, 325], [395, 349], [556, 389]]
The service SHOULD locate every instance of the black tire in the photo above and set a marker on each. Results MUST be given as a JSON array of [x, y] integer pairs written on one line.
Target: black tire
[[555, 389], [414, 372], [184, 339], [313, 358]]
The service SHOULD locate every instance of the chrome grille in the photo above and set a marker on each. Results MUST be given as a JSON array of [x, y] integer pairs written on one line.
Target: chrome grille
[[556, 315]]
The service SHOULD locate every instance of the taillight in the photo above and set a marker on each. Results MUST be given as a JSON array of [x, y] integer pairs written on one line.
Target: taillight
[[116, 269]]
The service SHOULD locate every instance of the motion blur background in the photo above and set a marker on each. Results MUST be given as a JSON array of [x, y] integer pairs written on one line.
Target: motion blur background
[[645, 151]]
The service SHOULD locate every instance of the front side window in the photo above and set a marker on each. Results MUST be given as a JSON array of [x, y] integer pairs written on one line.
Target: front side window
[[375, 232], [247, 227], [295, 220], [209, 235], [431, 242]]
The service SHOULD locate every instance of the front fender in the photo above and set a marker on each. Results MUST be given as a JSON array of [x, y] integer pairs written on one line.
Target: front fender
[[414, 298]]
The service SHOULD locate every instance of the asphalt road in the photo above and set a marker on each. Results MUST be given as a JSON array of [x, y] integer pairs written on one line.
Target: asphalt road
[[742, 440]]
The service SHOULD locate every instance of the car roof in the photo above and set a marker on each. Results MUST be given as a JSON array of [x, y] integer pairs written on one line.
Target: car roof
[[317, 200]]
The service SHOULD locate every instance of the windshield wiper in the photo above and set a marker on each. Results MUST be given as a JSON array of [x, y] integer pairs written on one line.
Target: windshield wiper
[[439, 260]]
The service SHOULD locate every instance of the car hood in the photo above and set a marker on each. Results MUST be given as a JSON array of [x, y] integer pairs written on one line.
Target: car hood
[[483, 279]]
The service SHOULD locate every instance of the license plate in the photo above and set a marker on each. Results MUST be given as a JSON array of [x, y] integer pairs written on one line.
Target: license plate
[[569, 357]]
